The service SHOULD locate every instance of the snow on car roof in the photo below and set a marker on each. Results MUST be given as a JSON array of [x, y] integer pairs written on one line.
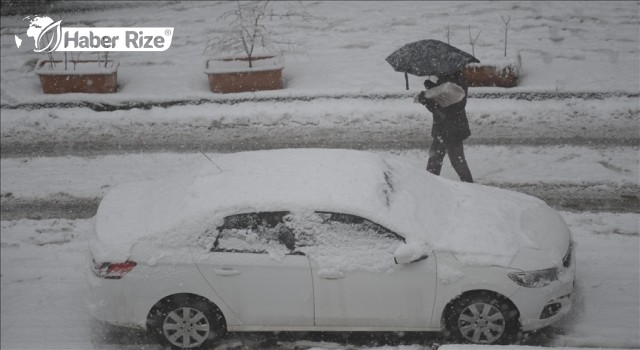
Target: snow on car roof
[[409, 201]]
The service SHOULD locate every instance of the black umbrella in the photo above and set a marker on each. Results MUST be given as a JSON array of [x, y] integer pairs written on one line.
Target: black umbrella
[[428, 57]]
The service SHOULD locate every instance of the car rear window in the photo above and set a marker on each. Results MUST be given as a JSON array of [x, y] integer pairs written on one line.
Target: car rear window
[[261, 233]]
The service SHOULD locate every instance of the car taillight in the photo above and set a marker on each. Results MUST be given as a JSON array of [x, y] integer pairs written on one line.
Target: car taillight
[[113, 270]]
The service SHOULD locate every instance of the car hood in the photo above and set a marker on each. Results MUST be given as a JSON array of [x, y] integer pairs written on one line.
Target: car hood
[[491, 226], [551, 235]]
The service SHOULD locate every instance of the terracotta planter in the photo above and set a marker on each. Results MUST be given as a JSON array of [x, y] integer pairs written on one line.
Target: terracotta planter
[[497, 71], [489, 75], [89, 77], [232, 74]]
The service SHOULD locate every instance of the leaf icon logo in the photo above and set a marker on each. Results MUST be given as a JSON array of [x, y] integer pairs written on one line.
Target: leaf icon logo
[[51, 43]]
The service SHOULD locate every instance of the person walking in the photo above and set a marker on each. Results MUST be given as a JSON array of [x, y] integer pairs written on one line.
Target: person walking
[[450, 128]]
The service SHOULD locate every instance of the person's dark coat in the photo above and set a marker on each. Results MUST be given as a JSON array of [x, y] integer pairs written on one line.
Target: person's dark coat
[[450, 124]]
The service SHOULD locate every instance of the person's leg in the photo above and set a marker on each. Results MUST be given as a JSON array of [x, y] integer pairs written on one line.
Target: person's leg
[[458, 161], [437, 152]]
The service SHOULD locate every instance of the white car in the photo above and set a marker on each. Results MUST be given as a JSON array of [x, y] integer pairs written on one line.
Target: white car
[[326, 240]]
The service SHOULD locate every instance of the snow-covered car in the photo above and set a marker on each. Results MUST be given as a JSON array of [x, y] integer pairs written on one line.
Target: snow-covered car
[[326, 240]]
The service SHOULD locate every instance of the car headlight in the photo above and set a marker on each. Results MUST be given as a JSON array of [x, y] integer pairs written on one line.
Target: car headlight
[[535, 279], [566, 261]]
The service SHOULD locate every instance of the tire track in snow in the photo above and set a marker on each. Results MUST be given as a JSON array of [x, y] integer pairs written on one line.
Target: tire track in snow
[[329, 123], [266, 138]]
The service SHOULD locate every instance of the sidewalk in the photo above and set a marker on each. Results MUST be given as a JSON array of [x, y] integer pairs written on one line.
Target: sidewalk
[[97, 103], [565, 48]]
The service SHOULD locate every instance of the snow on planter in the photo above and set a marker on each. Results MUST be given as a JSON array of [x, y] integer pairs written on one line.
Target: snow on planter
[[495, 71], [233, 74], [87, 76]]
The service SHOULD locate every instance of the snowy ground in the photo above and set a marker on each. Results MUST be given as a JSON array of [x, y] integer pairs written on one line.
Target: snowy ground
[[567, 177], [43, 286], [353, 123], [569, 133], [565, 46]]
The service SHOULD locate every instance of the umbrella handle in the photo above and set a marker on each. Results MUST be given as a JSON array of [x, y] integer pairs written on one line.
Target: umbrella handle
[[406, 79]]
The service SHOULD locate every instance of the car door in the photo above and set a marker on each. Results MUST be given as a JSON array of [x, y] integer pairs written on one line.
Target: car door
[[356, 282], [253, 270]]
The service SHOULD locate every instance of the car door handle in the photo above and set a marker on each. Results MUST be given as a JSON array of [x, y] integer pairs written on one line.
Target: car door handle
[[330, 274], [332, 277], [226, 271]]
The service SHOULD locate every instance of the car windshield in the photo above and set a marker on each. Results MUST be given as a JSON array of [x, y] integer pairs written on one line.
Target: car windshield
[[418, 205]]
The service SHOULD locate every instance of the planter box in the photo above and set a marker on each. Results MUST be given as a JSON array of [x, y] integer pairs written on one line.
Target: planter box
[[485, 75], [232, 74], [503, 72], [87, 77]]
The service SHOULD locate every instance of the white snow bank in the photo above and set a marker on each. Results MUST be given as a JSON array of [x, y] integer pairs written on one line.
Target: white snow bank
[[235, 64], [81, 68]]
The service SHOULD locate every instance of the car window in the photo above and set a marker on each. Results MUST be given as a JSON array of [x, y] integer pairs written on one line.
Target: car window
[[261, 233], [343, 241], [334, 240], [360, 224]]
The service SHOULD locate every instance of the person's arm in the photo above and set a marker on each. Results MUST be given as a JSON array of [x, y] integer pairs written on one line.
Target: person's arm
[[431, 105], [428, 84]]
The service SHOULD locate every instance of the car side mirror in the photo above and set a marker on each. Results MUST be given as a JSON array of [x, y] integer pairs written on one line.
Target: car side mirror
[[410, 252]]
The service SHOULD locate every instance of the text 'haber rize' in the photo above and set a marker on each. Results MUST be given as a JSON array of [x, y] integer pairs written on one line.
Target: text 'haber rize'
[[132, 39]]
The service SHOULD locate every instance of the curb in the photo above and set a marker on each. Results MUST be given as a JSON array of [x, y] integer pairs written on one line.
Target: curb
[[115, 106]]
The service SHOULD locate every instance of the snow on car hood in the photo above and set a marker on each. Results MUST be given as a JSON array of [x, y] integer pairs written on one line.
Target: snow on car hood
[[481, 224]]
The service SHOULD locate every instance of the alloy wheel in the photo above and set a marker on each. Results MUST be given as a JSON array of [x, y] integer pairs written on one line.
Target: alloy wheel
[[186, 327], [481, 323]]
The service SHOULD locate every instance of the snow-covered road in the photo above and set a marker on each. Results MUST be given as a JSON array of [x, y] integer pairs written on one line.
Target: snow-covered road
[[44, 288], [43, 261], [347, 123], [567, 177]]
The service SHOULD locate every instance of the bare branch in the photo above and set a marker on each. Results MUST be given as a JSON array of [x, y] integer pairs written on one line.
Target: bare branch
[[448, 34], [51, 63], [506, 30], [75, 59], [473, 41], [246, 29]]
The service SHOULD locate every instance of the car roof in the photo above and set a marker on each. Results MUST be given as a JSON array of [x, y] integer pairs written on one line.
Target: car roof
[[353, 182], [384, 189]]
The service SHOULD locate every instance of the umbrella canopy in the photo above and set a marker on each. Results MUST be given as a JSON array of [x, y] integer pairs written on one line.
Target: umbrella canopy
[[429, 57]]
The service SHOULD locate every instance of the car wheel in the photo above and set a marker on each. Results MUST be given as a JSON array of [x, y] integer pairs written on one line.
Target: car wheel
[[186, 322], [482, 318]]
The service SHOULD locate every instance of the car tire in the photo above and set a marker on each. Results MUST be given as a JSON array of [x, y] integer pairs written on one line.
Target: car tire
[[186, 322], [482, 318]]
